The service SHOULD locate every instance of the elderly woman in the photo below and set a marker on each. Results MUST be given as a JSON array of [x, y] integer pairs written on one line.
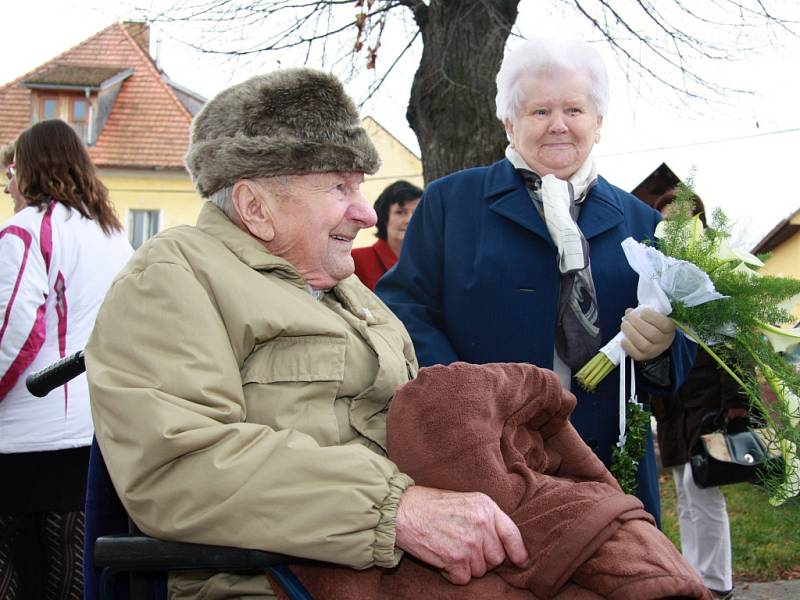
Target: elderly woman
[[531, 268], [240, 376], [394, 208]]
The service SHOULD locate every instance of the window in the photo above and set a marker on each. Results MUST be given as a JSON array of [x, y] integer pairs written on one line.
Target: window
[[79, 112], [74, 109], [49, 108], [142, 225], [79, 117]]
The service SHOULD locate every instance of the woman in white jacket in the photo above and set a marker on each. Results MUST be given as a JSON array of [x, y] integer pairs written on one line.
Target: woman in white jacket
[[58, 255]]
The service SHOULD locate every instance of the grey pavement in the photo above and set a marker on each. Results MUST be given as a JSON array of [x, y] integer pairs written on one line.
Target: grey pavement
[[772, 590]]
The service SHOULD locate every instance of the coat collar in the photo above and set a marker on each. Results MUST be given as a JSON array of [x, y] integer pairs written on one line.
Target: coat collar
[[504, 190], [246, 248], [385, 253]]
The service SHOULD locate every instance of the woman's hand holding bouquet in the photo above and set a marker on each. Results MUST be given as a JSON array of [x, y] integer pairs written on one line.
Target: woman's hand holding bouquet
[[712, 293]]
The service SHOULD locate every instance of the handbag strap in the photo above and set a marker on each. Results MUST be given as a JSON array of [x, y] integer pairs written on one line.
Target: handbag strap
[[711, 421]]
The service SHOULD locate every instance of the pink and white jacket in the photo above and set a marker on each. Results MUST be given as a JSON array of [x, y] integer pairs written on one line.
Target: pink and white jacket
[[55, 269]]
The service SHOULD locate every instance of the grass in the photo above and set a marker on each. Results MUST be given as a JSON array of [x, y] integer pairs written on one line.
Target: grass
[[765, 539]]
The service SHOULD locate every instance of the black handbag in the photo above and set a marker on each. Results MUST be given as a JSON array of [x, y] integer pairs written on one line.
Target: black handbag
[[730, 453]]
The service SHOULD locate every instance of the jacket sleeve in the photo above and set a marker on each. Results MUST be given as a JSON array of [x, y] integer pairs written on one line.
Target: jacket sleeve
[[23, 293], [682, 355], [169, 414], [413, 287], [665, 375]]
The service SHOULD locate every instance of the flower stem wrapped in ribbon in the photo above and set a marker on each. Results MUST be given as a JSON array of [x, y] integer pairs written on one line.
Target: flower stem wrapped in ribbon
[[713, 294]]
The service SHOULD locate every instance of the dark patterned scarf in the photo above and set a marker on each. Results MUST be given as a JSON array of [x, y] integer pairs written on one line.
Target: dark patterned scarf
[[578, 335]]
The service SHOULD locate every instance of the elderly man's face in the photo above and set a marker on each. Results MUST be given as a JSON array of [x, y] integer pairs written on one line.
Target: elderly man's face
[[557, 124], [315, 218]]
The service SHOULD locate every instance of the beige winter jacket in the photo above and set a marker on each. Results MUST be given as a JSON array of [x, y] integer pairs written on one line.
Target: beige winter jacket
[[233, 408]]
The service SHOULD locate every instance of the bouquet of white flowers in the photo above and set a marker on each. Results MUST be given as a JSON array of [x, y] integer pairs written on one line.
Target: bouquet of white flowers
[[714, 294]]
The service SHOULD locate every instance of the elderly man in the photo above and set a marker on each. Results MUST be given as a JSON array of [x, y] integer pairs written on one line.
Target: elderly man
[[240, 377]]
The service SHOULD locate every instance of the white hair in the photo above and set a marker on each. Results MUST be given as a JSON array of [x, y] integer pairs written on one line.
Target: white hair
[[223, 198], [539, 56]]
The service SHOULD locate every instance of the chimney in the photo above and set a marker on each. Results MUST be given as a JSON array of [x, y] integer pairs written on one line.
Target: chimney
[[139, 31]]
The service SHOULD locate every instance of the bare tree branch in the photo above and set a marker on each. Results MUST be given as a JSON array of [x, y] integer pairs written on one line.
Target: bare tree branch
[[674, 44], [617, 47], [375, 87]]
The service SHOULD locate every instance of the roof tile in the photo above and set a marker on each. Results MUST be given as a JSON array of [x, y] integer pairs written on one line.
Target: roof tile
[[148, 126], [73, 75]]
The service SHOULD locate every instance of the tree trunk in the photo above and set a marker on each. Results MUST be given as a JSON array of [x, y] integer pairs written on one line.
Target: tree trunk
[[452, 107]]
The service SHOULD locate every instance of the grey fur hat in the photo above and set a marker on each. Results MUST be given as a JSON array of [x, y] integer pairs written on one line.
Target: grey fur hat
[[286, 122]]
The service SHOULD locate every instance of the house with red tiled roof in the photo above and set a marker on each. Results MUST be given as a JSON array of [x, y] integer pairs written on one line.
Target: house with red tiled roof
[[135, 122], [133, 118]]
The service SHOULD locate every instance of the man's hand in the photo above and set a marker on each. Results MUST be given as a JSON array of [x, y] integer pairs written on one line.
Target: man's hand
[[647, 333], [463, 534]]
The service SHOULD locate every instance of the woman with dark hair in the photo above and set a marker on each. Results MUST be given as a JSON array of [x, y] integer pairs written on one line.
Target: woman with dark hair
[[394, 208], [60, 250]]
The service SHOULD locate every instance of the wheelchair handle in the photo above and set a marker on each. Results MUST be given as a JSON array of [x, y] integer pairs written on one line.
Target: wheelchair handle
[[43, 382]]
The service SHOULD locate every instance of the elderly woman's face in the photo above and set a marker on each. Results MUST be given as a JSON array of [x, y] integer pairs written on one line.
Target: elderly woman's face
[[314, 221], [557, 124]]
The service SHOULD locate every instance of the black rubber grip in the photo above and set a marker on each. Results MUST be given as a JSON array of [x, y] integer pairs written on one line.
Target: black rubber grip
[[43, 382]]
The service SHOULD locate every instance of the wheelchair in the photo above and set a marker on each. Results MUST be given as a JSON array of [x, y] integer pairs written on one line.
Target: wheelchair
[[114, 546]]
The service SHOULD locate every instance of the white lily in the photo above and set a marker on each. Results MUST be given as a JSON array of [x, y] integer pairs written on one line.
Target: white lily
[[696, 229], [725, 252], [791, 483], [781, 340], [790, 487], [745, 270], [728, 253]]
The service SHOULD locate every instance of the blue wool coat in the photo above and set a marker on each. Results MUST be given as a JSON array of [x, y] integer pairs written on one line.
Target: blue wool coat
[[478, 281]]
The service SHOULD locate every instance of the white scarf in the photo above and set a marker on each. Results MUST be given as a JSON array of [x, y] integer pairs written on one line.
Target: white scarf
[[556, 199]]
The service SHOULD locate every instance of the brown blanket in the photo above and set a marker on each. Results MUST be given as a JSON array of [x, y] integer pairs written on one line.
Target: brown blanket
[[503, 429]]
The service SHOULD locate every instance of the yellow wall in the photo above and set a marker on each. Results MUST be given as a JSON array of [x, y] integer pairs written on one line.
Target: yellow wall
[[397, 162], [785, 260], [170, 192], [6, 205]]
